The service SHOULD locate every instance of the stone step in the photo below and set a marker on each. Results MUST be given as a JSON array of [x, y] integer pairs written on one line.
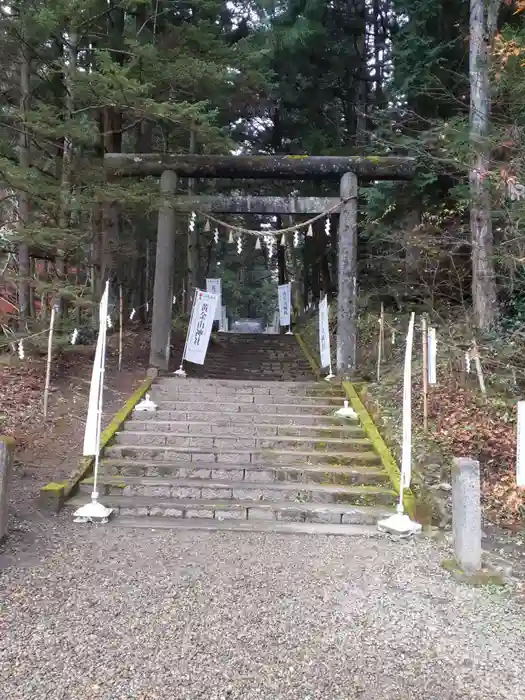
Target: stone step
[[250, 373], [236, 366], [268, 457], [230, 443], [236, 418], [231, 525], [254, 386], [323, 474], [266, 356], [222, 427], [244, 399], [241, 407], [183, 489], [252, 351], [273, 388], [336, 513]]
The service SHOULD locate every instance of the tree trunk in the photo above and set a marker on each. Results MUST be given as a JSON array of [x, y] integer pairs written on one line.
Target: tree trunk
[[482, 28], [193, 257], [24, 267], [64, 216], [110, 135], [362, 70]]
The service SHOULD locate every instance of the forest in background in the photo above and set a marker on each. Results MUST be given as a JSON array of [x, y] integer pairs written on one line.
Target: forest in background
[[264, 77]]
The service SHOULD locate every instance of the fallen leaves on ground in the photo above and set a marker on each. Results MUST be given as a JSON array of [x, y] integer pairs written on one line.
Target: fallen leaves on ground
[[465, 424], [21, 395], [49, 443]]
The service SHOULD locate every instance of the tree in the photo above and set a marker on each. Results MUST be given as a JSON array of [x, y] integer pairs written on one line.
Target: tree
[[483, 24]]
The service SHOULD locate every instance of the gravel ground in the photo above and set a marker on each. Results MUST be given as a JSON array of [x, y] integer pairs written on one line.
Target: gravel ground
[[89, 613]]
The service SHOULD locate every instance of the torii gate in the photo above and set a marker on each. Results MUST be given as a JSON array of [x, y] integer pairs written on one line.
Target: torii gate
[[347, 169]]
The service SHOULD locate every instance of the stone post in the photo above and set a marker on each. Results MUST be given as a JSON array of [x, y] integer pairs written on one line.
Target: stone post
[[7, 449], [346, 278], [163, 285], [466, 514]]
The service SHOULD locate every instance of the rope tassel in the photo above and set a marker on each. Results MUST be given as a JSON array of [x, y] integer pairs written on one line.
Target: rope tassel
[[310, 232], [258, 243]]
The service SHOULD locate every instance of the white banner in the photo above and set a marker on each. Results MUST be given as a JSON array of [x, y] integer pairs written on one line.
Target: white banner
[[285, 302], [92, 431], [406, 448], [432, 353], [324, 334], [199, 330], [224, 319], [520, 449], [214, 286]]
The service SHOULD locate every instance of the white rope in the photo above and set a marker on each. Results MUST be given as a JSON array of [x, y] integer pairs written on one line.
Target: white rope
[[275, 232]]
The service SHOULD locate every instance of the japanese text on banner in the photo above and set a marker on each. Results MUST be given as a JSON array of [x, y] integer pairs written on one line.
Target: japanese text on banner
[[284, 291], [199, 331], [324, 335], [214, 286]]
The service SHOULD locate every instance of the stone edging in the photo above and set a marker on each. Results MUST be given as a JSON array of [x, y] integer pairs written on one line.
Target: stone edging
[[387, 460], [52, 496], [306, 352], [378, 444]]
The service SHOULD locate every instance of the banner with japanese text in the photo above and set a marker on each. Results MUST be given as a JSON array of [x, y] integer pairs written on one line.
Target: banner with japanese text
[[92, 431], [201, 322], [324, 335], [285, 294], [214, 286]]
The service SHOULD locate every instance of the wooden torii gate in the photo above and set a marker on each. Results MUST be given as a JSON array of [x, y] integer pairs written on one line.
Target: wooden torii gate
[[348, 170]]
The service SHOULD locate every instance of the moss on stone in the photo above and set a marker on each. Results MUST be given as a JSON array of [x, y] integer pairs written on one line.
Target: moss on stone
[[309, 357], [123, 413], [69, 486], [379, 446], [54, 486], [483, 577], [7, 440]]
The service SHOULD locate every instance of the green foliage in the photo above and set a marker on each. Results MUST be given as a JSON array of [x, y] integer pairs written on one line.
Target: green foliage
[[249, 285], [285, 76]]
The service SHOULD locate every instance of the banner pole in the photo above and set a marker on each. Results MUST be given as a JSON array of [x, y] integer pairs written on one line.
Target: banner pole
[[180, 372], [49, 358], [424, 334], [121, 327], [400, 523], [96, 511], [100, 404]]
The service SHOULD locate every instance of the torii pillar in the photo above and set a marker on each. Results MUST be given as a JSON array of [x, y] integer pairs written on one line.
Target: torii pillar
[[347, 278], [161, 321]]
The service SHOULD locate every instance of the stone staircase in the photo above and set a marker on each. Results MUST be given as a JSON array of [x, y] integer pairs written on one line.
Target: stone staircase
[[246, 455], [252, 357]]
